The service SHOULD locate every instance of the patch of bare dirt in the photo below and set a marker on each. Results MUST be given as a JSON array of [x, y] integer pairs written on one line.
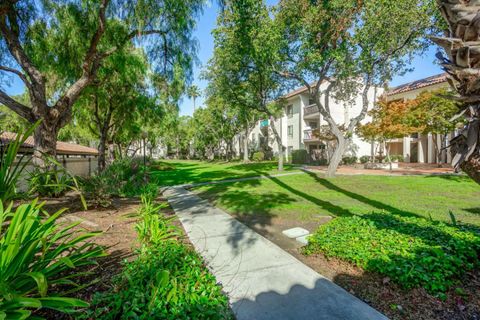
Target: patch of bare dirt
[[118, 237]]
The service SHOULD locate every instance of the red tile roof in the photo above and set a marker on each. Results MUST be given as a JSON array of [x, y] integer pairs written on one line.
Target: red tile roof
[[298, 91], [63, 148], [422, 83]]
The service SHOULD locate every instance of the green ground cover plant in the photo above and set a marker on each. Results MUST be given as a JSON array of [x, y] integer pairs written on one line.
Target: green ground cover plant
[[400, 227], [36, 257], [168, 279], [413, 252]]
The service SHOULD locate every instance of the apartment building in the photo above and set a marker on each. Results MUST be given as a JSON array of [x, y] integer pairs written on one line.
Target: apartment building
[[418, 147], [301, 117]]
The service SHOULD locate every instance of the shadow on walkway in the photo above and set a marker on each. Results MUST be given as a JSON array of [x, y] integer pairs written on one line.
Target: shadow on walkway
[[324, 300]]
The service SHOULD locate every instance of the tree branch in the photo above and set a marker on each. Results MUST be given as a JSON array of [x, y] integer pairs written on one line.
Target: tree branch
[[19, 74], [22, 110]]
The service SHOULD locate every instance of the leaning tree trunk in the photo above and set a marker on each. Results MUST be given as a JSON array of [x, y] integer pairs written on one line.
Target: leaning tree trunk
[[337, 156], [462, 65]]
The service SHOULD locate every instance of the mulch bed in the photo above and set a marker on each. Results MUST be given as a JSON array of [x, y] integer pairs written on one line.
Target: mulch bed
[[118, 237]]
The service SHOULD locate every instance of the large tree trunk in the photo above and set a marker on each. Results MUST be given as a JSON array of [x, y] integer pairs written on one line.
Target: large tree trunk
[[337, 156], [102, 151], [462, 65], [45, 143]]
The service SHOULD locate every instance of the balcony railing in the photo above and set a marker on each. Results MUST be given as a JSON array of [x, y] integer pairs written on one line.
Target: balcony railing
[[311, 109], [308, 135]]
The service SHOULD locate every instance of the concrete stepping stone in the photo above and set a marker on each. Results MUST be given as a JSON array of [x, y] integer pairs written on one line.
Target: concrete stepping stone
[[295, 232], [303, 239]]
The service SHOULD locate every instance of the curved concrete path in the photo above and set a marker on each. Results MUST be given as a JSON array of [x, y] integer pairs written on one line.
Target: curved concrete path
[[263, 281]]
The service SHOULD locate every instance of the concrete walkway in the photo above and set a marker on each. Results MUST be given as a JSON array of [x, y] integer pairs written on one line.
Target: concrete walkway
[[262, 281]]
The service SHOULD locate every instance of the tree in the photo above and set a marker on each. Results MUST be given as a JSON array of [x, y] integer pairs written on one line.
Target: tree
[[241, 70], [343, 48], [433, 111], [57, 47], [193, 93], [462, 66], [390, 120], [117, 95]]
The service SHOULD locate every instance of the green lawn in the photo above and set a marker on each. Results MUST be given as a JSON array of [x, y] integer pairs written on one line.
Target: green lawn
[[400, 227], [307, 196], [185, 171]]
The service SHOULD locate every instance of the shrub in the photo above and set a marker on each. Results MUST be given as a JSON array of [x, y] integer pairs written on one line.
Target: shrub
[[321, 162], [168, 280], [152, 227], [124, 177], [364, 159], [396, 158], [414, 252], [258, 156], [349, 160], [11, 167], [299, 156], [37, 255], [50, 182], [97, 191], [165, 282]]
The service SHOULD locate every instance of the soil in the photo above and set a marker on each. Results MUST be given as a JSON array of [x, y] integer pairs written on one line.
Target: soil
[[462, 301], [118, 237]]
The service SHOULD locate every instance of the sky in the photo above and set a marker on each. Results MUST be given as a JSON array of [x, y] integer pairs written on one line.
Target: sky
[[423, 66]]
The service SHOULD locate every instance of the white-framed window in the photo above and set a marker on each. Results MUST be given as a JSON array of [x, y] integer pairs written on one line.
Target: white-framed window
[[290, 131], [290, 110]]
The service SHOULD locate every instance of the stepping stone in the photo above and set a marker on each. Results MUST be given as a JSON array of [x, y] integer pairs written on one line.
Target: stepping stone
[[295, 232], [303, 239]]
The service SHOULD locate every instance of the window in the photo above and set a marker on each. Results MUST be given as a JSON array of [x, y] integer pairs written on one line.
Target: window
[[290, 111], [290, 131], [311, 101], [313, 125]]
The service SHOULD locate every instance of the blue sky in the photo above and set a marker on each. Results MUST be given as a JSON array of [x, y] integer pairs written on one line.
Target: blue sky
[[424, 66]]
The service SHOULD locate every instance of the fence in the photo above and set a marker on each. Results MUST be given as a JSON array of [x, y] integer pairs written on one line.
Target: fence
[[83, 167]]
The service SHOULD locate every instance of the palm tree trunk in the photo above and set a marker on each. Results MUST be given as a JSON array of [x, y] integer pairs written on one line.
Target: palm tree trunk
[[463, 68]]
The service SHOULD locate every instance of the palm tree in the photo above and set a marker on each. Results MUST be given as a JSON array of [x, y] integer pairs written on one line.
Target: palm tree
[[193, 93], [462, 64]]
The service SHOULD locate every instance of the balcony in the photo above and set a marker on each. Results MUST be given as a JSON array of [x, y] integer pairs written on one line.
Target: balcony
[[308, 136], [310, 110]]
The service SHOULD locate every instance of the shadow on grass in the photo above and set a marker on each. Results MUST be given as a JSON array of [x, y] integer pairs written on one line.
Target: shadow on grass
[[451, 177], [253, 209], [186, 173], [473, 210], [373, 203]]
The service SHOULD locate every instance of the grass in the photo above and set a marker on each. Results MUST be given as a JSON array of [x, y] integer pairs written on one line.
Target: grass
[[186, 172], [305, 197], [400, 227]]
